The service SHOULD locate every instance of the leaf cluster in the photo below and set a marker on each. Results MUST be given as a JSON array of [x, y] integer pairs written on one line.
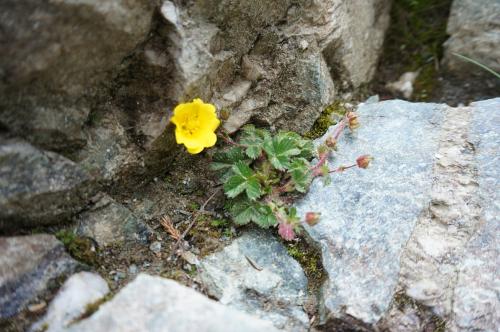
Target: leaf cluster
[[259, 169]]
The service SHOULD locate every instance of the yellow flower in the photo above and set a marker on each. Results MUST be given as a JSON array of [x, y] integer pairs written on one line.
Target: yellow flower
[[195, 125]]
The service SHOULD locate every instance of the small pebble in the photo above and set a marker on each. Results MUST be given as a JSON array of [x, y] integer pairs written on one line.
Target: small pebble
[[37, 307], [155, 247], [132, 269], [119, 276], [304, 44]]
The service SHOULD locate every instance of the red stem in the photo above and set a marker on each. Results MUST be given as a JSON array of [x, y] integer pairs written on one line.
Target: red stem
[[229, 141], [342, 168]]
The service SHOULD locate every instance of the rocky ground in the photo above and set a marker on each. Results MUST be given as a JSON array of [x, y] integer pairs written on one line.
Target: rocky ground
[[89, 167]]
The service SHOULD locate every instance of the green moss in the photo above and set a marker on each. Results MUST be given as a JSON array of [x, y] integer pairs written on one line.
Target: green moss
[[417, 32], [207, 234], [431, 321], [91, 308], [193, 206], [326, 120], [44, 327], [425, 83], [310, 260], [80, 248], [438, 323], [414, 42]]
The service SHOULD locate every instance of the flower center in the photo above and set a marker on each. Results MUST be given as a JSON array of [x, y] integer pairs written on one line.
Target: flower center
[[192, 124]]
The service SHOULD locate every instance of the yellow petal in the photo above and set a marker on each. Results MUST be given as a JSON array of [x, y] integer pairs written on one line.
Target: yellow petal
[[181, 114], [209, 139], [195, 125], [188, 140], [195, 150]]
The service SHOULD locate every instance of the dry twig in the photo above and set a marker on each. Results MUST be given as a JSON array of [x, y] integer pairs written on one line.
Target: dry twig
[[169, 227], [194, 218]]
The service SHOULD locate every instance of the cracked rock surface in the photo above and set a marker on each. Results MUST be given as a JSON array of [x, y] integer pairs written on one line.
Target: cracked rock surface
[[412, 242], [255, 274], [157, 304], [474, 32], [28, 266]]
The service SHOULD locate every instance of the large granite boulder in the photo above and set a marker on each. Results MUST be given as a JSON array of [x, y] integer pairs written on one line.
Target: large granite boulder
[[29, 266], [97, 80], [77, 294], [256, 275], [39, 187], [156, 304], [411, 243], [273, 61], [474, 32], [54, 56], [109, 222]]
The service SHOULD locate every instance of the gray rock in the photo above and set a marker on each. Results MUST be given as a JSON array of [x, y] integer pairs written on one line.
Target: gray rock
[[39, 187], [400, 240], [289, 51], [109, 222], [79, 291], [256, 275], [353, 49], [54, 56], [476, 304], [29, 265], [474, 32], [360, 237], [156, 304]]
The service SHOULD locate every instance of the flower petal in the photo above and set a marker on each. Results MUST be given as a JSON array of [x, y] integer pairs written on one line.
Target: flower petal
[[195, 125], [195, 150]]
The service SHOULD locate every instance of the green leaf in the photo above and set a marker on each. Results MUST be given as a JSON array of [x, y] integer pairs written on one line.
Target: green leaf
[[280, 149], [242, 169], [265, 217], [301, 174], [226, 159], [244, 211], [253, 188], [254, 139], [234, 186], [223, 162], [305, 145], [243, 180]]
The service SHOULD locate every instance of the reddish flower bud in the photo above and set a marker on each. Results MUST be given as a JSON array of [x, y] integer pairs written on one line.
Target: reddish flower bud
[[285, 230], [224, 114], [331, 142], [312, 218], [364, 161], [352, 118]]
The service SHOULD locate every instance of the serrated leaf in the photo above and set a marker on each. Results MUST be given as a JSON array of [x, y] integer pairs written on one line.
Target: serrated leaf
[[242, 169], [253, 188], [226, 159], [301, 174], [223, 162], [305, 145], [306, 149], [244, 211], [253, 139], [243, 180], [234, 186], [265, 217], [280, 149]]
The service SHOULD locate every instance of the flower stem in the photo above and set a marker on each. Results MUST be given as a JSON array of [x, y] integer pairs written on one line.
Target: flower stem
[[342, 168], [229, 141]]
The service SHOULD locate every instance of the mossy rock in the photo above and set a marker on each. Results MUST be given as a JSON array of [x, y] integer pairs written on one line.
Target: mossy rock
[[82, 249], [328, 118]]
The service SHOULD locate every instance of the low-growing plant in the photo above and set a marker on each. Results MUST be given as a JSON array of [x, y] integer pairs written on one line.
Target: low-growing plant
[[261, 172]]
